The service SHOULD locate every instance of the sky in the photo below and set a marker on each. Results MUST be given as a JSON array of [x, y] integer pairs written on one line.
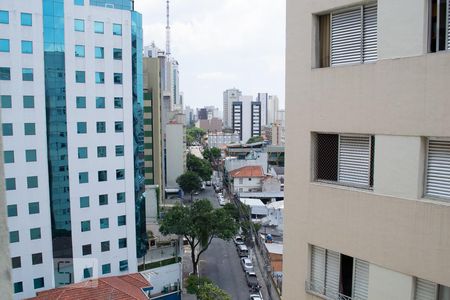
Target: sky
[[221, 44]]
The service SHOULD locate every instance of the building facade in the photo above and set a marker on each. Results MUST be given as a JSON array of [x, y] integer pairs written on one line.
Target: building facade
[[229, 96], [72, 111], [246, 118], [368, 144], [221, 139]]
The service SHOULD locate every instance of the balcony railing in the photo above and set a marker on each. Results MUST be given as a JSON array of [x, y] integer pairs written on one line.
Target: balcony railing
[[318, 289]]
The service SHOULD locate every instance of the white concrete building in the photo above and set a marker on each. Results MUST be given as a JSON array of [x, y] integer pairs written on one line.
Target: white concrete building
[[368, 150], [67, 122], [246, 117], [257, 208], [275, 214], [229, 96], [246, 179], [272, 109], [222, 139], [175, 157]]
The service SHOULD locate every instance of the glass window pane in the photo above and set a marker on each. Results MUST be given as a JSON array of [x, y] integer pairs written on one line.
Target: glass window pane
[[81, 102], [99, 52], [117, 29], [18, 287], [28, 101], [36, 258], [30, 129], [27, 74], [106, 268], [101, 151], [98, 27], [4, 17], [79, 51], [119, 150], [80, 76], [5, 73], [27, 47], [81, 127], [6, 101], [100, 102], [87, 272], [121, 220], [84, 201], [7, 129], [82, 152], [122, 243], [12, 210], [117, 54], [35, 233], [32, 182], [118, 126], [78, 2], [99, 77], [118, 78], [118, 102], [4, 45], [101, 127], [38, 282], [79, 25], [26, 19], [33, 208], [86, 249], [10, 184], [8, 157], [85, 226], [14, 236], [103, 199], [104, 223], [123, 265], [120, 197], [16, 262], [83, 177], [102, 176], [30, 155], [120, 174]]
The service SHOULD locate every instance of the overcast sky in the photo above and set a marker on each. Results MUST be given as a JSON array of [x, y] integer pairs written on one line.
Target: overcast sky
[[221, 44]]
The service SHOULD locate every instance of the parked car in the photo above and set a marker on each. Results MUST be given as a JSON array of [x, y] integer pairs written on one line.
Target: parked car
[[238, 240], [208, 183], [252, 280], [246, 264], [222, 201], [256, 296], [242, 251]]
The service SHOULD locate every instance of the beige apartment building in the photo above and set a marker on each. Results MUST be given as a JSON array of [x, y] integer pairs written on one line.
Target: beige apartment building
[[368, 150]]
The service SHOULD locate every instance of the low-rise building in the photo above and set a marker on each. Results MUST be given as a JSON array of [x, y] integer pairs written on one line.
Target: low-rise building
[[222, 139], [275, 214], [258, 209], [246, 179]]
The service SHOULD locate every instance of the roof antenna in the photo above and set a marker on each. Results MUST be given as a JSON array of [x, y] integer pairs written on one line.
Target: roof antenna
[[168, 30]]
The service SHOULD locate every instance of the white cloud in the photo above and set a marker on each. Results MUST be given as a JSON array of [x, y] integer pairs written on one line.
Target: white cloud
[[221, 44]]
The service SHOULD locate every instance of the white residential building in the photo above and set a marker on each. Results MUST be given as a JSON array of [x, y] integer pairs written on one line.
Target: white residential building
[[246, 179], [175, 153], [229, 96], [272, 109], [69, 98], [222, 139], [246, 118]]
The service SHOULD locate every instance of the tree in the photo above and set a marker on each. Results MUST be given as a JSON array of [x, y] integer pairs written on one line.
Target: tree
[[212, 155], [189, 182], [194, 134], [199, 166], [199, 223], [255, 139], [210, 291]]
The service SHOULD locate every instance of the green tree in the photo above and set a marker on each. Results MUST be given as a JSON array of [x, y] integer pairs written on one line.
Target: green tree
[[255, 139], [212, 155], [199, 223], [210, 291], [199, 166], [189, 182], [194, 134]]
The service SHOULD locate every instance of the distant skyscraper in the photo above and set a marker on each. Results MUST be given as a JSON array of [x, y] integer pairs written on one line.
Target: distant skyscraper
[[246, 117], [229, 96], [72, 122], [272, 109]]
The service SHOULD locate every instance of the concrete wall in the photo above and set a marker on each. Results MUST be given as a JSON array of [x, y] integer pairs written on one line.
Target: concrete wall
[[399, 101], [387, 284], [163, 276], [176, 153]]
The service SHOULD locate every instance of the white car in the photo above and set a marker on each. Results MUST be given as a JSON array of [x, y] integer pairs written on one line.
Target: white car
[[256, 296], [247, 265], [222, 201], [238, 240]]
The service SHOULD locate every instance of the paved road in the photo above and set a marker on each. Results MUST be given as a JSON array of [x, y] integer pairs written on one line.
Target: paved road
[[221, 262]]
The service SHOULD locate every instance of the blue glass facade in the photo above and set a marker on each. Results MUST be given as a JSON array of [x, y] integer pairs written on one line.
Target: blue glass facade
[[118, 4], [138, 131], [55, 101]]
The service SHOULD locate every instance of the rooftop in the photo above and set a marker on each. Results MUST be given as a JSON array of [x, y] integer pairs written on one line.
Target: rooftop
[[248, 171], [112, 288], [251, 202]]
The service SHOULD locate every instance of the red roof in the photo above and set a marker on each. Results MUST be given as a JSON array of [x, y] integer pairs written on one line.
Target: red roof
[[111, 288], [249, 171]]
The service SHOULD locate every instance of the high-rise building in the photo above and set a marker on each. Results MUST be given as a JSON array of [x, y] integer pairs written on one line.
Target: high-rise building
[[368, 141], [272, 109], [263, 98], [72, 125], [229, 96], [246, 117]]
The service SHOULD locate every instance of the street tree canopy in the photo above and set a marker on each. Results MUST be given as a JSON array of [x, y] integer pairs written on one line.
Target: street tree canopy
[[199, 166], [194, 134], [255, 139], [199, 223], [189, 182], [210, 291]]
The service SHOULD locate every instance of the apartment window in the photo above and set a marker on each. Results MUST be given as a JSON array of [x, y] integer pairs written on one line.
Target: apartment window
[[119, 150], [241, 180], [84, 201], [427, 290], [100, 102], [106, 268], [118, 126], [27, 74], [16, 262], [345, 159], [118, 102], [348, 37], [103, 199], [117, 29], [83, 177], [79, 25], [6, 101], [120, 174], [26, 19], [82, 152], [123, 265], [438, 169], [118, 78], [38, 282], [12, 210], [80, 76], [104, 223], [10, 184], [27, 47], [102, 176], [101, 127], [99, 52], [117, 54], [28, 101], [337, 276], [121, 220], [99, 77], [87, 272], [14, 236], [122, 243], [36, 258], [86, 249], [99, 27], [8, 157], [120, 197], [81, 127], [4, 17], [32, 182], [18, 287], [81, 102], [439, 31], [30, 155], [4, 45], [79, 51], [104, 246], [78, 2], [101, 151], [29, 129], [5, 73], [85, 226], [33, 208], [35, 233]]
